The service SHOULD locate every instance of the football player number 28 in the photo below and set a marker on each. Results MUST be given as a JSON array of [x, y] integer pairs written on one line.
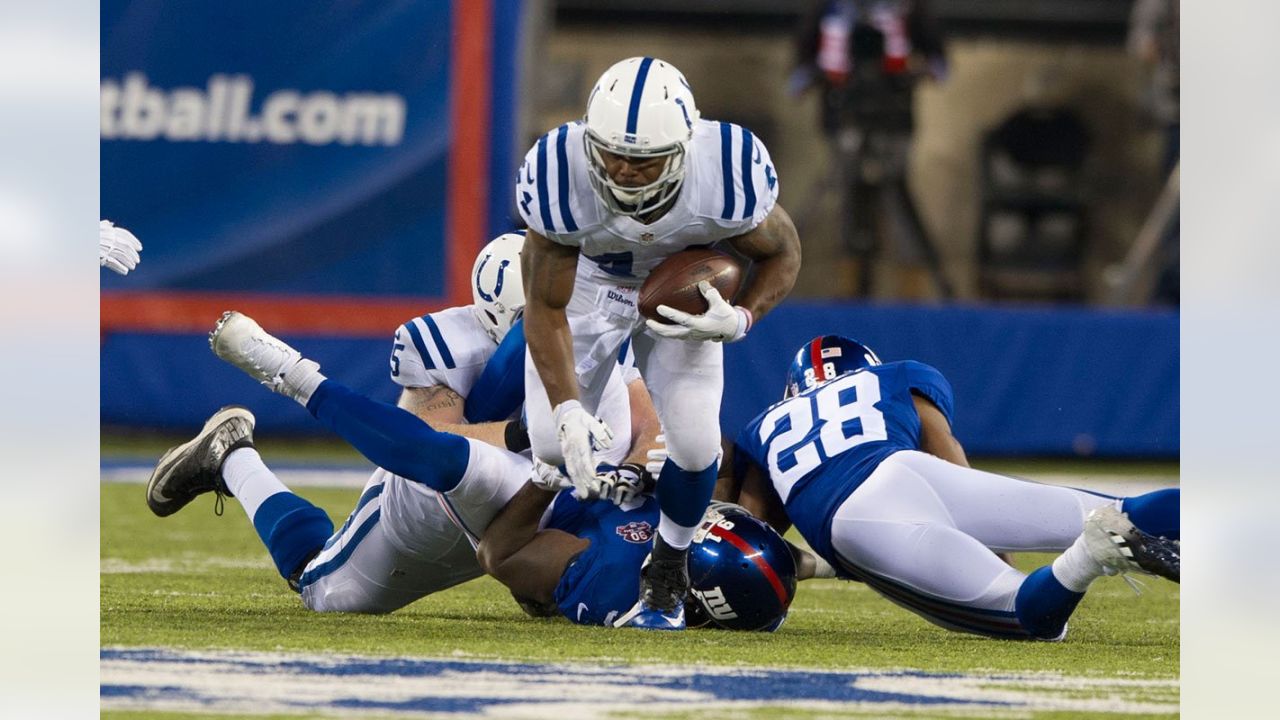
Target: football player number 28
[[846, 410]]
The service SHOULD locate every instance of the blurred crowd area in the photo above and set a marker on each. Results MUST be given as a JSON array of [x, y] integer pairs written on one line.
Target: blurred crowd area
[[1019, 150]]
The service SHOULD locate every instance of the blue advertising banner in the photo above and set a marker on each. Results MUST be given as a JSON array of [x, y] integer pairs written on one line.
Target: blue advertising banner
[[342, 155], [1052, 381]]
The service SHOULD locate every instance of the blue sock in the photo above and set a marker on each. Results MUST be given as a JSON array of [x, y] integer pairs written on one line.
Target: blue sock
[[1044, 604], [683, 495], [392, 437], [1156, 512], [293, 530]]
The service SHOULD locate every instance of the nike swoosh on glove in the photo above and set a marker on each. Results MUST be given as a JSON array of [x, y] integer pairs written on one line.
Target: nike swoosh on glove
[[580, 435], [721, 322]]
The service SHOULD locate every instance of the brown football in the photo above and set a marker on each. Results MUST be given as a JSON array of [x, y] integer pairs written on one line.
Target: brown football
[[674, 282]]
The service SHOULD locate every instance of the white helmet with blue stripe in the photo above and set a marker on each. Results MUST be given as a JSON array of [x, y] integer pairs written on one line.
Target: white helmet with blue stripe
[[496, 285], [640, 108]]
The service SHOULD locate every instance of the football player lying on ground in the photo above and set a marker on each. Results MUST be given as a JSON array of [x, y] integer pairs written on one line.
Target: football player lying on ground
[[860, 455], [413, 530], [577, 559], [468, 476]]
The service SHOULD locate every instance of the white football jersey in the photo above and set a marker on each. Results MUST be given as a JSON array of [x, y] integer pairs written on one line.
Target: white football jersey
[[447, 348], [729, 188]]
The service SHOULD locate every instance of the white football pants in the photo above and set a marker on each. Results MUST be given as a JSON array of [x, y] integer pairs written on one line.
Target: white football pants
[[924, 533], [684, 378], [405, 541]]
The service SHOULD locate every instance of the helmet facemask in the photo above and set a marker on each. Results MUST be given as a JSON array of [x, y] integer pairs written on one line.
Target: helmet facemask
[[634, 201]]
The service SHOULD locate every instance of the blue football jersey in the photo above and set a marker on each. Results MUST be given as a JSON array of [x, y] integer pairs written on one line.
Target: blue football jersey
[[603, 582], [820, 445]]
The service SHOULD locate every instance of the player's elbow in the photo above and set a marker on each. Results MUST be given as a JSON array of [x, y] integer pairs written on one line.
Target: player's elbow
[[489, 557]]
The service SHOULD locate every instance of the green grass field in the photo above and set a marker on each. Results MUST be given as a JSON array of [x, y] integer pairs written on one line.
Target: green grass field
[[196, 581]]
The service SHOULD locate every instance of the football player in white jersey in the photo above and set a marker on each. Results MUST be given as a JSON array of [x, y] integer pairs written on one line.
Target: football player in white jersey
[[606, 199], [404, 540]]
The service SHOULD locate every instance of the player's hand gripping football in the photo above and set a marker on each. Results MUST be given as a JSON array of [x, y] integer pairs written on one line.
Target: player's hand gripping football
[[117, 248], [580, 435], [721, 322]]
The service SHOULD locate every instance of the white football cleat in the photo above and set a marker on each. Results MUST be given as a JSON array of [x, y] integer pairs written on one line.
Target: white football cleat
[[241, 341], [1120, 547]]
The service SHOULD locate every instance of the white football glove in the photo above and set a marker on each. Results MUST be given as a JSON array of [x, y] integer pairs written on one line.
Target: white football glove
[[580, 435], [548, 477], [117, 248], [657, 457], [721, 322]]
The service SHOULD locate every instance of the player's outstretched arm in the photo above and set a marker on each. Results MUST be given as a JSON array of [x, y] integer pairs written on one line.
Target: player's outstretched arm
[[517, 554], [774, 247], [442, 408]]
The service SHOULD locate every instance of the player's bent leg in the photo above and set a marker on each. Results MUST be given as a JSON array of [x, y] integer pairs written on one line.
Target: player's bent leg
[[895, 535], [492, 477], [685, 381], [363, 569], [1004, 513], [292, 529]]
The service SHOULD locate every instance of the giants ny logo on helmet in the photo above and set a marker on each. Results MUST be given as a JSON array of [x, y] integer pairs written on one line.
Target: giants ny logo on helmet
[[641, 108], [714, 602], [496, 285]]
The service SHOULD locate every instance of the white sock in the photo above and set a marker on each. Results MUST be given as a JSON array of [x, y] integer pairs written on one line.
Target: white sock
[[675, 534], [249, 479], [1076, 568], [301, 380]]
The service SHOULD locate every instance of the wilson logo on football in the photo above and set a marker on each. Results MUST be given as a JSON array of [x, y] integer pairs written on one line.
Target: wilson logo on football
[[636, 532]]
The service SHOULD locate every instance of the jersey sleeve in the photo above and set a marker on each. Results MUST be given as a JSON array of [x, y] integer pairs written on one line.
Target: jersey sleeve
[[499, 391], [748, 449], [930, 383], [543, 192], [746, 182], [423, 356]]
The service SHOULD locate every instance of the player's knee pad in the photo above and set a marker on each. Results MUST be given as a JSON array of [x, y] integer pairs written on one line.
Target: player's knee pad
[[694, 450]]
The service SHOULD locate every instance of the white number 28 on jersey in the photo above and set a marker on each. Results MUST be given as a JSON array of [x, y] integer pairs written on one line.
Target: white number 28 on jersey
[[852, 397]]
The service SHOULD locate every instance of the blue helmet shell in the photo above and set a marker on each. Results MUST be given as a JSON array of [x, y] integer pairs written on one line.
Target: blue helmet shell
[[825, 358], [742, 574]]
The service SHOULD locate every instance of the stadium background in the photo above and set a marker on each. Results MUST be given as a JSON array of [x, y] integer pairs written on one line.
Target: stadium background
[[332, 238]]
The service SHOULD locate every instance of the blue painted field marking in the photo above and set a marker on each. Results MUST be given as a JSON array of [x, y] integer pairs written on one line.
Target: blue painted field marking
[[266, 683]]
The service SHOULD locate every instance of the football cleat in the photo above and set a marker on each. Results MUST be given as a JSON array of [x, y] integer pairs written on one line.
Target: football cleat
[[195, 467], [241, 341], [664, 582], [650, 618], [1120, 547]]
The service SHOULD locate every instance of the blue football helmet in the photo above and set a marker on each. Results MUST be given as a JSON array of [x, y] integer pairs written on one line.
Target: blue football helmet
[[742, 575], [825, 358]]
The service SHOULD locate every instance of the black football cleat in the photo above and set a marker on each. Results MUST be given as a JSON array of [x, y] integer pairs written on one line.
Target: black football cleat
[[195, 467], [1115, 542]]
